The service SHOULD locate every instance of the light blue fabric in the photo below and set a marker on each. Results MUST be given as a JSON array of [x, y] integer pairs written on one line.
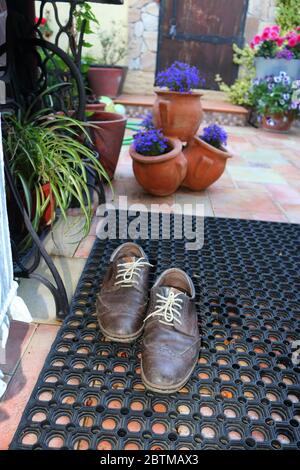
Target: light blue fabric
[[11, 307]]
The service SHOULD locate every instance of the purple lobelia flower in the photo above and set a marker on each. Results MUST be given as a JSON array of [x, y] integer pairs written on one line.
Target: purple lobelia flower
[[180, 77], [150, 143], [215, 136], [147, 122], [285, 54]]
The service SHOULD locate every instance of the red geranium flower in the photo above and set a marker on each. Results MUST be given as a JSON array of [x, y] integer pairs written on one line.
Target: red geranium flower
[[43, 20], [292, 42]]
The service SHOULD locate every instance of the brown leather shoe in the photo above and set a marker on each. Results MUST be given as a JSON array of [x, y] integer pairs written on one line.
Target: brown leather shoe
[[171, 340], [122, 301]]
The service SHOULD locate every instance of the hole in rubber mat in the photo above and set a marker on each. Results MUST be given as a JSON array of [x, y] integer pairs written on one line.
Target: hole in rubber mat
[[244, 391]]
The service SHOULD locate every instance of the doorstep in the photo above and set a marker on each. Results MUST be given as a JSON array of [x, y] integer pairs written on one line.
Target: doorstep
[[215, 107]]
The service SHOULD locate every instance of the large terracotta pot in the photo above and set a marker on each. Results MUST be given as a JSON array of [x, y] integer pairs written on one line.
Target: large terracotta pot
[[277, 122], [205, 164], [106, 80], [178, 114], [108, 131], [160, 175]]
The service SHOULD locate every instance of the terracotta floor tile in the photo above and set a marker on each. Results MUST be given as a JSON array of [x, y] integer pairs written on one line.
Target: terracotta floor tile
[[264, 155], [255, 175], [283, 194], [288, 171], [269, 217], [85, 247], [23, 381], [20, 334], [260, 187], [236, 214], [292, 212], [242, 200]]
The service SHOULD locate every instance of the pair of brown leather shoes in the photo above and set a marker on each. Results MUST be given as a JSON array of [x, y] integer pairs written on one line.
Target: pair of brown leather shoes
[[171, 339]]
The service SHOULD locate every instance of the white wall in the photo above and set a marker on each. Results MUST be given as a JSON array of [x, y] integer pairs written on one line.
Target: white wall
[[105, 14]]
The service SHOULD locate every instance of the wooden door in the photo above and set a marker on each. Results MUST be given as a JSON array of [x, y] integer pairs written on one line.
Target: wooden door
[[202, 32]]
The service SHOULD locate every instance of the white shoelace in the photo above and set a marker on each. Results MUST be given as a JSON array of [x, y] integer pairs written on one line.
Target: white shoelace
[[168, 308], [129, 273]]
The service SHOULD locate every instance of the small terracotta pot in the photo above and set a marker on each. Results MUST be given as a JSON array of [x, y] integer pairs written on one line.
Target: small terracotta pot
[[160, 175], [205, 164], [108, 131], [277, 122], [178, 114], [49, 214]]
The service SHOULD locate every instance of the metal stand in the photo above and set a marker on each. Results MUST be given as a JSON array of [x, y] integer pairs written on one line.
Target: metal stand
[[58, 291]]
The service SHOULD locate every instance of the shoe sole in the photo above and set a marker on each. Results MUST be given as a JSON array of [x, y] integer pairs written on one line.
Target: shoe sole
[[121, 339], [177, 387]]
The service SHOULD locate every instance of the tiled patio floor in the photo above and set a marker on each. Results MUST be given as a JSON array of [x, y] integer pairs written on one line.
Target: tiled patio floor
[[262, 182]]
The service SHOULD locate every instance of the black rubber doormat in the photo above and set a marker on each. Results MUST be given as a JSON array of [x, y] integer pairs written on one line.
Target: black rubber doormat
[[244, 393]]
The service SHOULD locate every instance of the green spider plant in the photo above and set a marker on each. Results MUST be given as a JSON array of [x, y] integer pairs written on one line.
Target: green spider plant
[[45, 148]]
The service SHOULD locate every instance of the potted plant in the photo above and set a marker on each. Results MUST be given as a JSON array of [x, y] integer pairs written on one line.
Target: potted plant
[[206, 157], [275, 52], [177, 109], [106, 77], [158, 162], [277, 101], [50, 165]]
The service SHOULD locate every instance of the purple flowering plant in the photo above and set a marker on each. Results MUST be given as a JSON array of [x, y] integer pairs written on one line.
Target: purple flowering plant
[[276, 95], [147, 121], [285, 54], [215, 135], [180, 77], [151, 142]]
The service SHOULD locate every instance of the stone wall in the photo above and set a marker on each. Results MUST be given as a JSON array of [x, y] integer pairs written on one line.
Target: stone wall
[[260, 14], [143, 20]]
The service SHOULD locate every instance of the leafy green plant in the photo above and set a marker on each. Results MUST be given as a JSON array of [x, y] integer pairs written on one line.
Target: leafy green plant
[[276, 95], [288, 14], [84, 15], [113, 46], [47, 148], [238, 93]]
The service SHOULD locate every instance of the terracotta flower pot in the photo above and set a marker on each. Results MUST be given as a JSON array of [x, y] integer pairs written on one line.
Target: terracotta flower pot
[[106, 80], [205, 164], [108, 132], [178, 114], [160, 175], [277, 122], [49, 214]]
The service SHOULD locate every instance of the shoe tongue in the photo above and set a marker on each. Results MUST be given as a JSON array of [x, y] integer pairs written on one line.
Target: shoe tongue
[[165, 290], [127, 259]]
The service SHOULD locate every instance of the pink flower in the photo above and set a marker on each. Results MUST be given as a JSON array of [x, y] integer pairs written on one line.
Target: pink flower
[[274, 35], [265, 35], [298, 38], [256, 40], [267, 29], [280, 41], [292, 42], [276, 28], [291, 34], [252, 45]]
